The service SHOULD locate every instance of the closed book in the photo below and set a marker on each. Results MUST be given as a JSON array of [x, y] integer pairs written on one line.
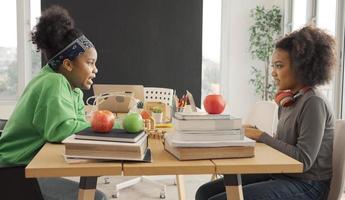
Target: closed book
[[83, 159], [178, 137], [198, 153], [116, 135], [212, 142], [207, 124], [231, 131], [93, 149], [200, 115]]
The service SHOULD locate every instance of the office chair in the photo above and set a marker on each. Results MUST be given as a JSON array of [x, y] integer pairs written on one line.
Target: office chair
[[2, 125], [13, 183], [337, 183]]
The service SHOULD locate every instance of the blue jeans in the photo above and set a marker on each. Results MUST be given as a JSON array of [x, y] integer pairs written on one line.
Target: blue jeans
[[268, 187], [63, 189]]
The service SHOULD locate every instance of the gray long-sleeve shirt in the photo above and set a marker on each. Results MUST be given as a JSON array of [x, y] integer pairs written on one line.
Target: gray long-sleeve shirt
[[305, 133]]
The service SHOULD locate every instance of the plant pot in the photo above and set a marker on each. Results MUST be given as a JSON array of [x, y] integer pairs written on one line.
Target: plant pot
[[158, 117]]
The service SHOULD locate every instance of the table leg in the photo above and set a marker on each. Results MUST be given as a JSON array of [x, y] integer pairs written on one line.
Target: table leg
[[87, 187], [180, 187], [233, 186]]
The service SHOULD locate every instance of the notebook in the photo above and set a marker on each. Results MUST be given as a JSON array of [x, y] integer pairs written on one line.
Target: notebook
[[115, 135]]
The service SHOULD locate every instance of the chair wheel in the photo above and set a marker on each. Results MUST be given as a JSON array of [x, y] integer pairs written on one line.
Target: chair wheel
[[162, 194], [106, 180], [116, 195]]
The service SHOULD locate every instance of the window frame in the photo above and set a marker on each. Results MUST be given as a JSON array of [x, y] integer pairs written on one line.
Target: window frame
[[224, 61], [24, 44], [23, 50]]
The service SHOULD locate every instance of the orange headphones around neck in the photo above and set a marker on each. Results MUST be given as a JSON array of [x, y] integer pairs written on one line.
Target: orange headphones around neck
[[287, 98]]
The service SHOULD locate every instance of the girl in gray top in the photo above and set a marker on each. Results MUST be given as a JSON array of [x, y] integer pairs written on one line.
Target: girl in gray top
[[301, 60]]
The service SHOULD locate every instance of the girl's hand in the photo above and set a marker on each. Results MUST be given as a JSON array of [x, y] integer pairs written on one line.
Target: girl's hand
[[252, 133]]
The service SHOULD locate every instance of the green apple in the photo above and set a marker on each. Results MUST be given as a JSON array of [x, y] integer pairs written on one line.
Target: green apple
[[133, 123]]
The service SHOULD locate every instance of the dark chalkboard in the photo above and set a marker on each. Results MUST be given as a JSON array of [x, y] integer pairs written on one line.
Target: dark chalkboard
[[156, 43]]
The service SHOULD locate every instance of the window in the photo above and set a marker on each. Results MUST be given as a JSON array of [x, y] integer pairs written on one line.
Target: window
[[211, 47], [299, 13], [326, 15], [17, 54], [326, 19], [322, 13], [8, 50]]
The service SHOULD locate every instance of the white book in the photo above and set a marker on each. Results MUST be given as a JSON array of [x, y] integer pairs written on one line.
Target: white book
[[200, 137], [200, 115], [207, 124], [231, 131], [72, 140], [244, 142]]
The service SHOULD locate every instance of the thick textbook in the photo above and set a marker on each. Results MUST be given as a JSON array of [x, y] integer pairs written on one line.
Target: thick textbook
[[83, 159], [116, 135], [198, 153], [210, 136], [207, 124], [71, 159], [107, 150], [212, 142]]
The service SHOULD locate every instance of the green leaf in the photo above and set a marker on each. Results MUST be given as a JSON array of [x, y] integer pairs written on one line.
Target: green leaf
[[262, 35]]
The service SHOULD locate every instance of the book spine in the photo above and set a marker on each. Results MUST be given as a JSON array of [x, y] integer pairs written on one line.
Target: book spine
[[209, 153], [190, 125], [111, 146], [195, 137]]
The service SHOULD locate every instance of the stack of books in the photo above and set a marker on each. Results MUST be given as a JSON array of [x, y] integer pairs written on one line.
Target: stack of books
[[199, 135], [116, 145]]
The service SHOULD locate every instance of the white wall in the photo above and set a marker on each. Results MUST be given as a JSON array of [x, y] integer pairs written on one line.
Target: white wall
[[235, 57]]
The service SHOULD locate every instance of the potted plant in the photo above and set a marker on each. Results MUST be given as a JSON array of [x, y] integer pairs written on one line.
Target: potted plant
[[263, 33], [157, 114]]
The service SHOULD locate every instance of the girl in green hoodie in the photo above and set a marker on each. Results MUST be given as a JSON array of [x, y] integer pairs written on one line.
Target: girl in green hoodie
[[51, 107]]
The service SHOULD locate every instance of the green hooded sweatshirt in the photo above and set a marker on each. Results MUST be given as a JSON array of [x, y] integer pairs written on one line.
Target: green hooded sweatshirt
[[48, 111]]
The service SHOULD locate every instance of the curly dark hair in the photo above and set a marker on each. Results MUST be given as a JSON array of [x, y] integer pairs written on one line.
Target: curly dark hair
[[54, 31], [312, 54]]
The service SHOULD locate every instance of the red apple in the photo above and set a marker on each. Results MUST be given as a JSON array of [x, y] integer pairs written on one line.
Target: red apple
[[102, 121], [214, 104]]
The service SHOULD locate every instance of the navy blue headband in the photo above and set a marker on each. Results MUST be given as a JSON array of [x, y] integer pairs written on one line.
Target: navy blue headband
[[71, 51]]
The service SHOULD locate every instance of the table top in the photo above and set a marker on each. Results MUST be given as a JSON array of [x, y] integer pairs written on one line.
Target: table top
[[49, 162], [266, 160]]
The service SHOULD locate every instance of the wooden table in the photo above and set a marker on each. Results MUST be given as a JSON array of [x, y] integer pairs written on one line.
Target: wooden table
[[49, 163]]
